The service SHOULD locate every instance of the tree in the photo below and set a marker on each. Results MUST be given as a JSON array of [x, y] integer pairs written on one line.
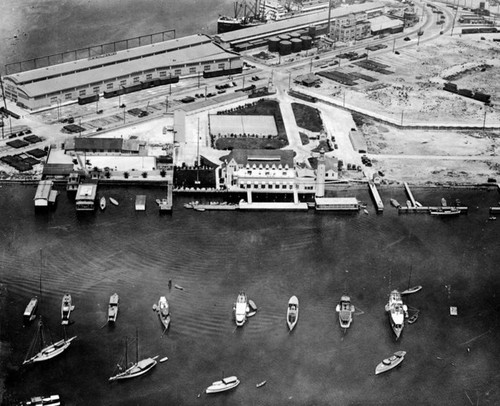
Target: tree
[[126, 175]]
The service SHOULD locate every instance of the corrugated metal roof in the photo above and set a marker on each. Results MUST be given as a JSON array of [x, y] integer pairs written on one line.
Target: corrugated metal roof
[[57, 169], [294, 23], [109, 58], [98, 144], [43, 189], [384, 22], [193, 55]]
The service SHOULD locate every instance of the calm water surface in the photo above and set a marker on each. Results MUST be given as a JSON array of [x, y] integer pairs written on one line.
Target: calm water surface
[[271, 256]]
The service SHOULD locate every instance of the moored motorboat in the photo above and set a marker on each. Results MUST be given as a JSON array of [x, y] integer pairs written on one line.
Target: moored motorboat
[[414, 289], [223, 385], [443, 202], [113, 307], [114, 201], [413, 318], [163, 312], [397, 312], [292, 312], [345, 310], [102, 203], [391, 362], [395, 203], [66, 308], [30, 311], [53, 400], [408, 204], [260, 384], [240, 309]]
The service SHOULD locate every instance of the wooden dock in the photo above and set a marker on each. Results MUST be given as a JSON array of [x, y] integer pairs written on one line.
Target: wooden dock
[[376, 197], [165, 204], [410, 194], [494, 210], [428, 209]]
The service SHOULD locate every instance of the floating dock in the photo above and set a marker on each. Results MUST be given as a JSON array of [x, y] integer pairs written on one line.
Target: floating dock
[[494, 210], [376, 197], [336, 203], [140, 203], [273, 206], [215, 206], [428, 209]]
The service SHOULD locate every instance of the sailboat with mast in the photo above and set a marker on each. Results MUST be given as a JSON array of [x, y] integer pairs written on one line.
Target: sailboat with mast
[[42, 347], [137, 368]]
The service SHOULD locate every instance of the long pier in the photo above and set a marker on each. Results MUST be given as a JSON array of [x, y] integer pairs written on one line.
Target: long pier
[[376, 197], [428, 209], [410, 194]]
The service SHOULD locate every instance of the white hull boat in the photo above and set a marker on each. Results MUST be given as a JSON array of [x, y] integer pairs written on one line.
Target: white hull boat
[[102, 203], [391, 362], [138, 368], [53, 400], [30, 311], [409, 291], [397, 312], [345, 310], [223, 385], [114, 201], [292, 313], [241, 309], [164, 312], [66, 308]]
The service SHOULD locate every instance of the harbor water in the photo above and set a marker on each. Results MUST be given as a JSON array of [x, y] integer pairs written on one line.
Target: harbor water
[[213, 255]]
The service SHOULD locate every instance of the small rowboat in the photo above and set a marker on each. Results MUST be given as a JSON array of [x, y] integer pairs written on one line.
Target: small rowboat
[[178, 287], [163, 359], [260, 384], [413, 318], [390, 362], [292, 313], [102, 203], [414, 289], [114, 201]]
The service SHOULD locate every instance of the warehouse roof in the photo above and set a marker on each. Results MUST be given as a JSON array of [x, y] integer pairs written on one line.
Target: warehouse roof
[[384, 22], [114, 57], [294, 23], [190, 55]]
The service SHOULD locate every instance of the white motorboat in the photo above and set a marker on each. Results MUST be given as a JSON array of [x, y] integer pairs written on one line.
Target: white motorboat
[[251, 309], [163, 312], [240, 309], [102, 203], [223, 385], [391, 362], [137, 368], [30, 311], [53, 400], [397, 312], [66, 308], [114, 201], [452, 212], [345, 310], [292, 313], [113, 307]]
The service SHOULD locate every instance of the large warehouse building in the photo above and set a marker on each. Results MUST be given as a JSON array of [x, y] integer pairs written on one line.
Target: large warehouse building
[[120, 72]]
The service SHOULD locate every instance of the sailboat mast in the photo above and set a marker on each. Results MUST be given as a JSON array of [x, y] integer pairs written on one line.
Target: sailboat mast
[[126, 353], [136, 346]]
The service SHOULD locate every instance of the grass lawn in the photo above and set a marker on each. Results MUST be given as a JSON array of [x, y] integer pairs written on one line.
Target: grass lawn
[[307, 117]]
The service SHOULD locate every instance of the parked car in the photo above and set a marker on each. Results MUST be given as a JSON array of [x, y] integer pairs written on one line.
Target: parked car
[[407, 38]]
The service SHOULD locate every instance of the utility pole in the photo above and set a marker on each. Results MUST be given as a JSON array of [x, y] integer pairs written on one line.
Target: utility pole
[[402, 113], [484, 120], [394, 45]]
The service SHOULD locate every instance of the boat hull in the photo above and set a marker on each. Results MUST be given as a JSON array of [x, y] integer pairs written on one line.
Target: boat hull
[[224, 385], [164, 312], [292, 314], [66, 308], [113, 308], [390, 363], [51, 351], [138, 369]]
